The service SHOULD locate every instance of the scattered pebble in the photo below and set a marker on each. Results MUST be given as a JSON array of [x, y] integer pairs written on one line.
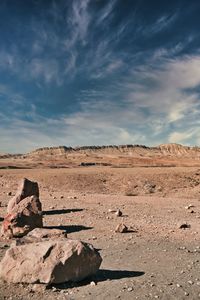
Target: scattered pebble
[[118, 213], [39, 288], [189, 206], [184, 226], [121, 228], [152, 284]]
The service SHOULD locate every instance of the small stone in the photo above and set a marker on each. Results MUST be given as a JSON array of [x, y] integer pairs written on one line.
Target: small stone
[[179, 285], [111, 210], [9, 193], [118, 213], [4, 246], [92, 283], [39, 288], [152, 284], [184, 226], [130, 289], [121, 228], [61, 197], [190, 282], [182, 248], [186, 294]]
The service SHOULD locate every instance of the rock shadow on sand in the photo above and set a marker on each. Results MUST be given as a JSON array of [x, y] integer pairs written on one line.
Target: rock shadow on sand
[[1, 219], [60, 211], [69, 228], [101, 275]]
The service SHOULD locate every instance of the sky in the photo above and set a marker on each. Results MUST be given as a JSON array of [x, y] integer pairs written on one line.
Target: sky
[[99, 72]]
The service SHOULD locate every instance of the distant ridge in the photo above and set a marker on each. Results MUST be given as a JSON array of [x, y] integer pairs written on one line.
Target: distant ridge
[[163, 149], [171, 149]]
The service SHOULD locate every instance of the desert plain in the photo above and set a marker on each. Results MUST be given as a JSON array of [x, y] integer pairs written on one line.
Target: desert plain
[[156, 189]]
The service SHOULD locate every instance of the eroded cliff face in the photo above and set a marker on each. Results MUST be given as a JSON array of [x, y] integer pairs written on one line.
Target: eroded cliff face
[[116, 156], [175, 150]]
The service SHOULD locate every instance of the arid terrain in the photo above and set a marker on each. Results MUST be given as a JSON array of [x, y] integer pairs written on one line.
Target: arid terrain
[[156, 189]]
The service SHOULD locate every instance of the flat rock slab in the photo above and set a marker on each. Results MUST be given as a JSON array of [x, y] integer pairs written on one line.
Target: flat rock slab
[[41, 234], [49, 262]]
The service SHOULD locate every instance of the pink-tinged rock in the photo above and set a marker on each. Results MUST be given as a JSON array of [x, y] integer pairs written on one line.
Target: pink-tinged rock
[[24, 217], [50, 262], [26, 188], [41, 234]]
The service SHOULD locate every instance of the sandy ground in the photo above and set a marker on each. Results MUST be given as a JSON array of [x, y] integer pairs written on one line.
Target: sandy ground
[[155, 260]]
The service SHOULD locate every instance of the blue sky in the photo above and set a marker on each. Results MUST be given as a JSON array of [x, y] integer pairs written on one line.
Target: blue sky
[[94, 72]]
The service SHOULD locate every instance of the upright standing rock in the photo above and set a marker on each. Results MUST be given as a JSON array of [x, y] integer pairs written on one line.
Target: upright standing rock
[[26, 188], [24, 211]]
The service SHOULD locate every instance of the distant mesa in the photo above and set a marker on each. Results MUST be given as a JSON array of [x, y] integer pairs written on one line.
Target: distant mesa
[[129, 151]]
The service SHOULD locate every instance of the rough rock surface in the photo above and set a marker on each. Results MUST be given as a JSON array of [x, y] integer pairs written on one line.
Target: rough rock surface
[[49, 262], [121, 228], [41, 234], [26, 188], [24, 217]]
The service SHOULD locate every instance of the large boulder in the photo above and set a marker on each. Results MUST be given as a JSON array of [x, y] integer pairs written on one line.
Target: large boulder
[[26, 188], [24, 217], [53, 261]]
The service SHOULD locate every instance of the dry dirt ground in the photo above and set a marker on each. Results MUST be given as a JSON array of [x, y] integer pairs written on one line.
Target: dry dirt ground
[[154, 260]]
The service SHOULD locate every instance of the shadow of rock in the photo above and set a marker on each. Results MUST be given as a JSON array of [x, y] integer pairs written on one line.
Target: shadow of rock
[[69, 228], [101, 275], [1, 219], [60, 211]]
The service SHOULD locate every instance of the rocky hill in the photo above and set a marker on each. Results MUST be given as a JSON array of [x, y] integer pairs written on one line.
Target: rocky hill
[[175, 150], [115, 156]]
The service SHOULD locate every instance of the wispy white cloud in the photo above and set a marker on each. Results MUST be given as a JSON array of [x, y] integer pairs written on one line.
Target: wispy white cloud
[[162, 90], [162, 23], [78, 23], [186, 136], [106, 11], [48, 70]]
